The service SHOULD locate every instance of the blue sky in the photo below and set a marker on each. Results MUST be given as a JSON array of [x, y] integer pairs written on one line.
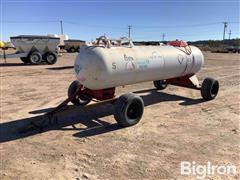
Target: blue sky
[[149, 19]]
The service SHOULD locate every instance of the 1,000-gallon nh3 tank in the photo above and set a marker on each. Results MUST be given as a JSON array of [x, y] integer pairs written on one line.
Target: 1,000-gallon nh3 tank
[[99, 68], [102, 67]]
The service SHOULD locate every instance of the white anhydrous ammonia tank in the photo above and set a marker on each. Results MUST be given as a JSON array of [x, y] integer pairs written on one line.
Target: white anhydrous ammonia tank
[[101, 67]]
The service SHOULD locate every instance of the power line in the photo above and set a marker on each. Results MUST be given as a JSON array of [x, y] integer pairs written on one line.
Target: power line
[[181, 35], [183, 26], [121, 27], [43, 21], [66, 22], [234, 22], [116, 1], [175, 26], [199, 33], [130, 26], [89, 25]]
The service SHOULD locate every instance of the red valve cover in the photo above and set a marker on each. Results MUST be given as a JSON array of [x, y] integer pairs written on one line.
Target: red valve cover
[[178, 43]]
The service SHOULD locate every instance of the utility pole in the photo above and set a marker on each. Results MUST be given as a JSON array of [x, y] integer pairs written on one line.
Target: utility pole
[[163, 36], [61, 27], [129, 32], [224, 29], [229, 34]]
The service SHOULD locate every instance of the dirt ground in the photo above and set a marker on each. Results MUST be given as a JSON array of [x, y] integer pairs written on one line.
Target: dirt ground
[[87, 144]]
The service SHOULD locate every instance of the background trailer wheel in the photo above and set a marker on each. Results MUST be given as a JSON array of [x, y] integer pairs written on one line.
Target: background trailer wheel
[[160, 84], [209, 89], [79, 100], [77, 49], [128, 109], [72, 50], [50, 58], [35, 57]]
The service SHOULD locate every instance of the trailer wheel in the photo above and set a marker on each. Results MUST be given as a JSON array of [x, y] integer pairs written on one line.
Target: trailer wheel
[[72, 50], [79, 100], [77, 49], [128, 109], [25, 60], [209, 89], [160, 84], [35, 58], [50, 58]]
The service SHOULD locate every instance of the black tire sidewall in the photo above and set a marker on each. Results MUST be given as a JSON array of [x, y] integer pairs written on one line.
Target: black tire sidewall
[[72, 90], [121, 107], [50, 54], [25, 60], [74, 86], [72, 50], [214, 83], [160, 84], [77, 49], [207, 87], [37, 54]]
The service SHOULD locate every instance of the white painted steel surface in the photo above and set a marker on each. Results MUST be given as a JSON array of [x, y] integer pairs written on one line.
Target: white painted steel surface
[[100, 67], [42, 44], [16, 55], [62, 37]]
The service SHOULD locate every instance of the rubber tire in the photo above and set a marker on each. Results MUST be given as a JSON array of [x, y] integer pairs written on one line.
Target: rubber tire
[[77, 49], [80, 101], [160, 84], [25, 60], [72, 50], [49, 54], [36, 54], [121, 107], [209, 89]]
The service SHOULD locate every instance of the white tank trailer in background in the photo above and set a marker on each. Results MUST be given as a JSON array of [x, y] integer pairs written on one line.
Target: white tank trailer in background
[[33, 49], [70, 45], [73, 45], [103, 67]]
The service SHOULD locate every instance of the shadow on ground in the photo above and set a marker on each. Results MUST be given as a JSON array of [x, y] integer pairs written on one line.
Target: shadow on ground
[[90, 116], [60, 68], [15, 64], [23, 64]]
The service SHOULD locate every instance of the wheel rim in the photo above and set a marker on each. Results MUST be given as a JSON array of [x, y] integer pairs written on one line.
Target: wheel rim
[[50, 58], [214, 89], [164, 83], [79, 99], [83, 99], [35, 58], [134, 111]]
